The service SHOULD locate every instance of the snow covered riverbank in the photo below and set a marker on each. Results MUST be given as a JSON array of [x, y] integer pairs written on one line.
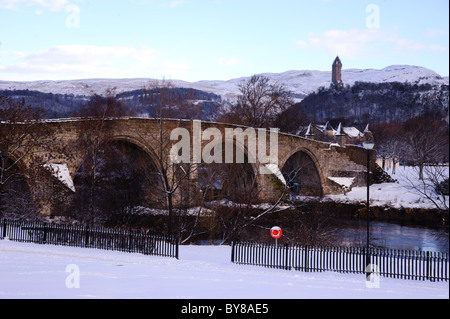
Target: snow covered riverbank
[[405, 193], [202, 272]]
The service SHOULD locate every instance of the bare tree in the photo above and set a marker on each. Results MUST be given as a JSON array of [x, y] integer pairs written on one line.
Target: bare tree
[[389, 138], [167, 101], [432, 185], [233, 196], [312, 225], [172, 180], [425, 142], [22, 138], [94, 139], [259, 103], [179, 187]]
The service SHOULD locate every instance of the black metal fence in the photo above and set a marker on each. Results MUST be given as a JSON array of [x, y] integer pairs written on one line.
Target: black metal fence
[[89, 237], [405, 264]]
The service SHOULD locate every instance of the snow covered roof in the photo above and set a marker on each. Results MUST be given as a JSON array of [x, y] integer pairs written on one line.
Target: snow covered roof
[[352, 131], [326, 127]]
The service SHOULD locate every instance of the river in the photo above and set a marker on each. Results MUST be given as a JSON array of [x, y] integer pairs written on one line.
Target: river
[[395, 236]]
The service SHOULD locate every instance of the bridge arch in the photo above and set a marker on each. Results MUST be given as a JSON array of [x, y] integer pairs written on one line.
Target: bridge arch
[[301, 171], [148, 150], [129, 175], [233, 179]]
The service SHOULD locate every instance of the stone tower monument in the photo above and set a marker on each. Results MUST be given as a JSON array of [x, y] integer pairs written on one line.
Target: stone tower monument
[[336, 78]]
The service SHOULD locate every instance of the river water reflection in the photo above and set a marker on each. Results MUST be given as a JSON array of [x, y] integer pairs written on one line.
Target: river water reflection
[[394, 236]]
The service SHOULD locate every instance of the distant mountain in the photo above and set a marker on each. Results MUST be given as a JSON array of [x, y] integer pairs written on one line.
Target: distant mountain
[[301, 83], [393, 93]]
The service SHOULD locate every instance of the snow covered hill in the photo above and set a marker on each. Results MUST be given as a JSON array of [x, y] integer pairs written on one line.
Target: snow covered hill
[[299, 82]]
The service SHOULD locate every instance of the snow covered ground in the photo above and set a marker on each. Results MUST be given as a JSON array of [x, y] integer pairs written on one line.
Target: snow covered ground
[[202, 272], [397, 195]]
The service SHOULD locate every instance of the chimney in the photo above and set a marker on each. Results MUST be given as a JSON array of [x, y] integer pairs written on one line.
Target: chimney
[[309, 132], [340, 136]]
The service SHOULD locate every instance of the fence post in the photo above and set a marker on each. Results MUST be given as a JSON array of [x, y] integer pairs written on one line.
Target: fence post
[[306, 258], [4, 228], [177, 245], [86, 242], [44, 240], [129, 241], [232, 251], [288, 266]]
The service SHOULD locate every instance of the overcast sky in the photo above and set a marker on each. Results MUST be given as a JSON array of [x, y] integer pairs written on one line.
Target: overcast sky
[[196, 40]]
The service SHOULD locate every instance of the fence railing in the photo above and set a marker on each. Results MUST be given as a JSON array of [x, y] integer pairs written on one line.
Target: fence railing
[[405, 264], [89, 237]]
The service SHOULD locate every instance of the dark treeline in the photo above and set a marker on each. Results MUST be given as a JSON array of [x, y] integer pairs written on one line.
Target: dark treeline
[[365, 103], [354, 105], [54, 105], [136, 102]]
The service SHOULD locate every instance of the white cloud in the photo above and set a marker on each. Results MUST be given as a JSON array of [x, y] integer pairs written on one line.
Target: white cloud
[[228, 61], [359, 43], [438, 47], [352, 44], [54, 5], [162, 3], [175, 3], [432, 33], [88, 61]]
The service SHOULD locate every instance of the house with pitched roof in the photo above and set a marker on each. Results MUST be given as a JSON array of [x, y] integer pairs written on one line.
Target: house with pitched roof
[[341, 135]]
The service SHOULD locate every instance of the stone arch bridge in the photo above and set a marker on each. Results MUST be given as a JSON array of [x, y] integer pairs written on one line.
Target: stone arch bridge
[[307, 166]]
